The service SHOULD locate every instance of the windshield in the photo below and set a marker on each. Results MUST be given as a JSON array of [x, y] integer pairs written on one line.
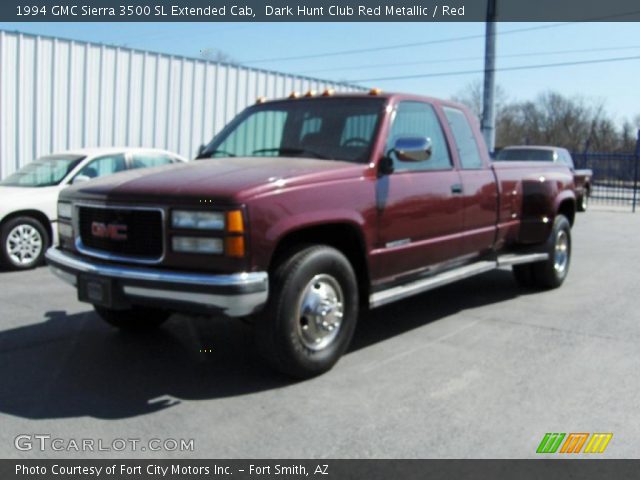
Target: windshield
[[327, 128], [43, 172], [528, 154]]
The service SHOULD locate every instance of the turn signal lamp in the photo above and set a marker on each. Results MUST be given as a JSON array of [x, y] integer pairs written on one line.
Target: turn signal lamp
[[234, 246], [235, 224], [234, 242]]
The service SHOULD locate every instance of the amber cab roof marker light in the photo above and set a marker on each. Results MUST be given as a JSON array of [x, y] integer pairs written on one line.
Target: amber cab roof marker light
[[375, 91], [310, 93], [328, 92], [294, 94], [261, 99]]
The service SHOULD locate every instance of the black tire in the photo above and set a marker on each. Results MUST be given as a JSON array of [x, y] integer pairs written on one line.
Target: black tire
[[29, 257], [135, 319], [523, 275], [285, 332], [552, 272], [583, 201]]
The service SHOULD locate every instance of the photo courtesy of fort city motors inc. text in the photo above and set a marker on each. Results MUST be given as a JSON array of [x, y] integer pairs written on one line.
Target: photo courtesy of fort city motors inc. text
[[336, 240]]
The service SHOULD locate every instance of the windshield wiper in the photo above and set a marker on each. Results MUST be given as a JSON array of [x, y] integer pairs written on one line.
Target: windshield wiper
[[213, 152], [292, 151]]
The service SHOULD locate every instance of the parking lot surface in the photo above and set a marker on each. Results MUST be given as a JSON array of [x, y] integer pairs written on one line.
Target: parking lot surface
[[478, 369]]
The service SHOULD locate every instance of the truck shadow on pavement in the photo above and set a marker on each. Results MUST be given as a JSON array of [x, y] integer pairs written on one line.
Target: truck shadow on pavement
[[74, 365]]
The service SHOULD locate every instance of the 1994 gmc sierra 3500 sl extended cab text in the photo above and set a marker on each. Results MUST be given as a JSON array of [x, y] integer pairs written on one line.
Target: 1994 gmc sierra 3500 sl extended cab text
[[304, 212]]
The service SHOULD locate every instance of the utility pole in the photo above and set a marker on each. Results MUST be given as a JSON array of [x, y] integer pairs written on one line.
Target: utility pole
[[488, 104], [635, 174]]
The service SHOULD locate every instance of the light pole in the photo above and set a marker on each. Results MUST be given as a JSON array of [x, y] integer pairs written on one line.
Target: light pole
[[488, 104]]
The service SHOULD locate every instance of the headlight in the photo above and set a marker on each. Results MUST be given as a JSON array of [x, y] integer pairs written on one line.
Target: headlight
[[197, 245], [197, 220], [64, 210]]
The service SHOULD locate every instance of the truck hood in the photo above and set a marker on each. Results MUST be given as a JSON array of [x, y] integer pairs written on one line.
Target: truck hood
[[227, 180]]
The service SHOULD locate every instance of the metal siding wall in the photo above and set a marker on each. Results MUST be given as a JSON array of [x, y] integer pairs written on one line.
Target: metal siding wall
[[58, 94]]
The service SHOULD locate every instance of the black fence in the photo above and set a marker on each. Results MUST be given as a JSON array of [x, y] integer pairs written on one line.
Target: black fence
[[615, 179]]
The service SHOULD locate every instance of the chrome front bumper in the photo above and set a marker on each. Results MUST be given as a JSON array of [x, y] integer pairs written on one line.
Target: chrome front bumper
[[234, 295]]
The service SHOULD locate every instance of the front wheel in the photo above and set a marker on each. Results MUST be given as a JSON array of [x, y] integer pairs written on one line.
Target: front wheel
[[133, 319], [312, 312], [23, 243]]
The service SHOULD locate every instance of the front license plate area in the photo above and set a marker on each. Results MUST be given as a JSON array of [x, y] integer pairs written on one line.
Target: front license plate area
[[99, 291]]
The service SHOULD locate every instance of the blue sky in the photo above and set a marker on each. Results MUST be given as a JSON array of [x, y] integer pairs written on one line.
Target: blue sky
[[616, 84]]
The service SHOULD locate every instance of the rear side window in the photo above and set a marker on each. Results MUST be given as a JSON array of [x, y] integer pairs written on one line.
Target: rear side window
[[104, 166], [416, 119], [468, 150], [145, 160]]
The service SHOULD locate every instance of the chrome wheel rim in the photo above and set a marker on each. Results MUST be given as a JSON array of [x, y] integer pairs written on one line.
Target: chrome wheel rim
[[24, 244], [320, 311], [561, 258]]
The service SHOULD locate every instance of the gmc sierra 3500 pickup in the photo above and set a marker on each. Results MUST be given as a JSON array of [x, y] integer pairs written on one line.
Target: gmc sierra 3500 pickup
[[303, 212]]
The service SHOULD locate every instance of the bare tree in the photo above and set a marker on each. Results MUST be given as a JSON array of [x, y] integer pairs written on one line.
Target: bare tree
[[472, 97], [551, 118], [216, 55]]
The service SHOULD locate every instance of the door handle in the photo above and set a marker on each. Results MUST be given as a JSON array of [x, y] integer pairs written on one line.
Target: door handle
[[456, 188]]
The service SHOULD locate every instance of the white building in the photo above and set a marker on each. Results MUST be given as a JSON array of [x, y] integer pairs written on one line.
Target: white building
[[57, 94]]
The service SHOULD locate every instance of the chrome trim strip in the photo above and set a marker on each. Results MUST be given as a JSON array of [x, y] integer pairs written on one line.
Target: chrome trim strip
[[419, 286], [233, 305], [70, 278], [514, 259], [104, 255]]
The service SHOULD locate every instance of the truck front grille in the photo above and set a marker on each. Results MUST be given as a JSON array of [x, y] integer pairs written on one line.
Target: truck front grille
[[121, 232]]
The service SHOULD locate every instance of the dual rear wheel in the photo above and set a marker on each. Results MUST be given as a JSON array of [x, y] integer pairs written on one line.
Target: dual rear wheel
[[552, 272]]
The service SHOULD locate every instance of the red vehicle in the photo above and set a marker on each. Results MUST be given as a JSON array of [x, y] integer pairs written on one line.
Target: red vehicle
[[581, 178], [304, 212]]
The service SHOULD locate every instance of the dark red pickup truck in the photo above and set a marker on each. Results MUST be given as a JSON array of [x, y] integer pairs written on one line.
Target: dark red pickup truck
[[304, 212]]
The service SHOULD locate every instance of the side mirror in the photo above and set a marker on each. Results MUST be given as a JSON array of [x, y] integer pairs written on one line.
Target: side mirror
[[80, 179], [415, 149]]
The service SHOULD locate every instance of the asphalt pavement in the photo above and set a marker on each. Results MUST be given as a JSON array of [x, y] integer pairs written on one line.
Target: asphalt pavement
[[478, 369]]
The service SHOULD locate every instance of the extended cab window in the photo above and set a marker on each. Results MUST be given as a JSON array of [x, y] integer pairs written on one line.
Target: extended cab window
[[468, 150], [417, 119]]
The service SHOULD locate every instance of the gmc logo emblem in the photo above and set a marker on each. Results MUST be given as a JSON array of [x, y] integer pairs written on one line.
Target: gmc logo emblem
[[113, 231]]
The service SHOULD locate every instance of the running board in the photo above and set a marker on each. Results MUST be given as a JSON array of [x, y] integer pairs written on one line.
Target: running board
[[399, 292], [515, 259]]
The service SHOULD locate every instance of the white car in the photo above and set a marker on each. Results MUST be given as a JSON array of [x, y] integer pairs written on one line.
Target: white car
[[28, 197]]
